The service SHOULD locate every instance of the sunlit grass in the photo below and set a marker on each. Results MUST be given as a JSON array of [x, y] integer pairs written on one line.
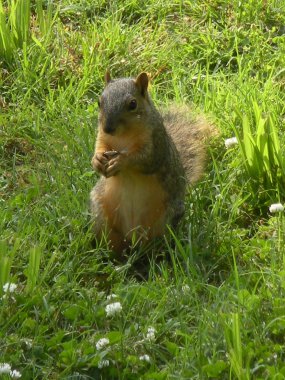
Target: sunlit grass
[[213, 290]]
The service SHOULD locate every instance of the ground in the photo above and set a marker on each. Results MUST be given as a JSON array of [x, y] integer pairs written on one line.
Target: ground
[[207, 303]]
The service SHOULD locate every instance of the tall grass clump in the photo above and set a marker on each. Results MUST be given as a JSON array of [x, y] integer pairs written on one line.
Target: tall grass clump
[[16, 25], [262, 156]]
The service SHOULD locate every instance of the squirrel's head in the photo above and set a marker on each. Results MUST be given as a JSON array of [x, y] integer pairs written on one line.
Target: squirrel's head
[[123, 103]]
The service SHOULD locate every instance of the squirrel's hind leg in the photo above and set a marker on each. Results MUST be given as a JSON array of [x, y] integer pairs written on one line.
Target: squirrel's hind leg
[[178, 212], [114, 239], [97, 215]]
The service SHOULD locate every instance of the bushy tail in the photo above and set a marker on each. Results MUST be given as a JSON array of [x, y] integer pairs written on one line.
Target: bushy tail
[[189, 133]]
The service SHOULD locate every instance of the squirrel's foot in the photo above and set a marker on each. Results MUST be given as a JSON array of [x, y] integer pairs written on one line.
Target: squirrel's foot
[[114, 165], [100, 163], [179, 211], [108, 163]]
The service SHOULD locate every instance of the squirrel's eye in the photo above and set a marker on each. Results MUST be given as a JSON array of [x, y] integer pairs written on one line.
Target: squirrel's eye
[[132, 105]]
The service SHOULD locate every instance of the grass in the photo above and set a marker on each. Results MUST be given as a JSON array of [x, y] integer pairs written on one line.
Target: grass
[[214, 294]]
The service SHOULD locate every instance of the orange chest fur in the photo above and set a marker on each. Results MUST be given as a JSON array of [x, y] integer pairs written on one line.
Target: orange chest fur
[[133, 201], [129, 142]]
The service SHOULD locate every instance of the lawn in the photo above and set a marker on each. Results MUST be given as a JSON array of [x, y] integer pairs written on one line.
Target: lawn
[[208, 303]]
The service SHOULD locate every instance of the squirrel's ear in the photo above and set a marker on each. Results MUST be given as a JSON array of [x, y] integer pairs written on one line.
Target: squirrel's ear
[[142, 82], [107, 77]]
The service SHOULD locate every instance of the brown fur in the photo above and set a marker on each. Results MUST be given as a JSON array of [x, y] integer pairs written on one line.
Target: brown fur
[[189, 134], [144, 161], [130, 201]]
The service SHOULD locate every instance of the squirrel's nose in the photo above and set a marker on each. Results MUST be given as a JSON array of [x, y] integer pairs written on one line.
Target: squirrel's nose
[[110, 126]]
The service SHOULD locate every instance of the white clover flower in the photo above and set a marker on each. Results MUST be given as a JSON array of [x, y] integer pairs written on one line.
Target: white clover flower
[[28, 343], [103, 342], [145, 358], [15, 374], [9, 286], [103, 363], [5, 368], [151, 334], [276, 207], [185, 289], [230, 142], [111, 296], [113, 308]]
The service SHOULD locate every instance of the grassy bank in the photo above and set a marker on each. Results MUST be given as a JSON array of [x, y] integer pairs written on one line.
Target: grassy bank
[[210, 306]]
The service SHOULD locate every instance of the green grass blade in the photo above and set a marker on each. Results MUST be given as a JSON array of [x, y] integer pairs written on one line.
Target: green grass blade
[[32, 271], [6, 40]]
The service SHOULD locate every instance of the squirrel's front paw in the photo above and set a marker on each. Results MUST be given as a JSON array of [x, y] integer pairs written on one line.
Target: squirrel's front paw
[[114, 166], [99, 163]]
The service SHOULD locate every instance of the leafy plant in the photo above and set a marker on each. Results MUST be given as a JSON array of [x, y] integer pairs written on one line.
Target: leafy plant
[[15, 25], [261, 151], [235, 350]]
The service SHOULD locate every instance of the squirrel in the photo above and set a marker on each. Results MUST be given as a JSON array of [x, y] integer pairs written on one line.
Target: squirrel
[[146, 160]]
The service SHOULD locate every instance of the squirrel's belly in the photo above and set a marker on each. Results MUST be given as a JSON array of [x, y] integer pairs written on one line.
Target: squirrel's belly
[[135, 203]]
